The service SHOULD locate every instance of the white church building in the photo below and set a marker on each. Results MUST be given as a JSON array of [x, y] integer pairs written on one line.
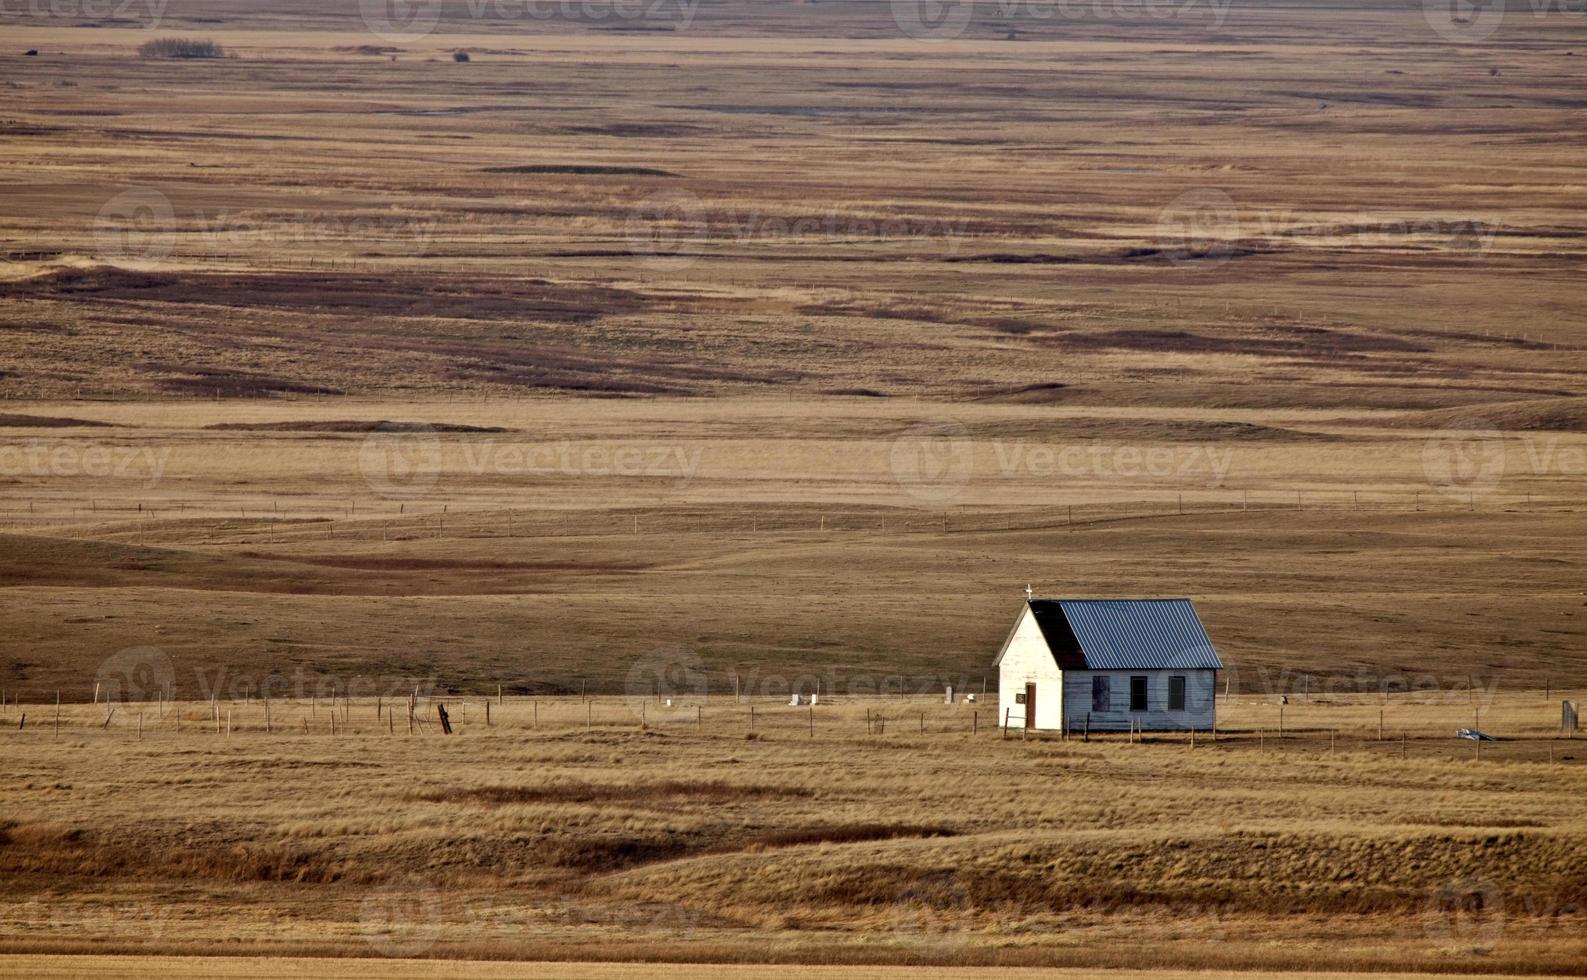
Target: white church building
[[1107, 665]]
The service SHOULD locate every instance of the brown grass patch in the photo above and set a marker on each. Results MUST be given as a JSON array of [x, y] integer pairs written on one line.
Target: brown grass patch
[[669, 790], [13, 420], [352, 425]]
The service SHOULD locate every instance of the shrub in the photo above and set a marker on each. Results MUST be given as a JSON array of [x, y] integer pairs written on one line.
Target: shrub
[[459, 55], [180, 47]]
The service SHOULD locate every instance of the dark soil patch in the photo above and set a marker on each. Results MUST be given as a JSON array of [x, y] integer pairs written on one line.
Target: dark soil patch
[[588, 170], [354, 425], [15, 421]]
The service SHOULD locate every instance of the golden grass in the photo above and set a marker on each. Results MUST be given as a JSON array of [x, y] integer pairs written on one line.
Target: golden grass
[[361, 231], [536, 837], [354, 969], [349, 229]]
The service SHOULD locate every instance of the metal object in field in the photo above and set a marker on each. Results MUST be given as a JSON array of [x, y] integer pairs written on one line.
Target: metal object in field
[[1474, 735]]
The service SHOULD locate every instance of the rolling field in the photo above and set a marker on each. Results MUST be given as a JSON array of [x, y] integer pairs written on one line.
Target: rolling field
[[47, 966], [861, 831], [709, 353]]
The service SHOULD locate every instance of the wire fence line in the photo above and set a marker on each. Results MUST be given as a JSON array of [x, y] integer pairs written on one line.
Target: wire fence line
[[1525, 724]]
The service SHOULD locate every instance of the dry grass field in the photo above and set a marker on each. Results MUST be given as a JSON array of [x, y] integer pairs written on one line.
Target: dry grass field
[[666, 350], [864, 831], [346, 969]]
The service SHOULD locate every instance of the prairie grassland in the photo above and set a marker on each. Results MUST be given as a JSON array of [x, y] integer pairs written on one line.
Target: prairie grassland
[[1285, 210], [351, 969], [771, 349], [628, 831], [857, 542]]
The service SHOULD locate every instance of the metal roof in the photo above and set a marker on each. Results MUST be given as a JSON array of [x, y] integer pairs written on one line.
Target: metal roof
[[1139, 634]]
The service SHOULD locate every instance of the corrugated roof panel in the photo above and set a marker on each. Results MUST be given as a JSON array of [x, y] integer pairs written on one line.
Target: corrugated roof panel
[[1140, 634]]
